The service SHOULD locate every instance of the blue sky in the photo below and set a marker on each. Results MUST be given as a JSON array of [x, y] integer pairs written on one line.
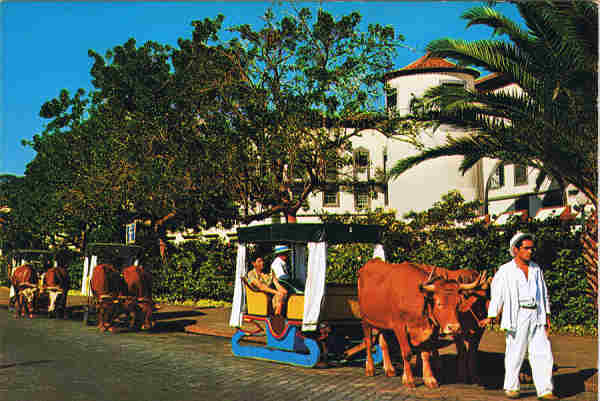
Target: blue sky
[[45, 44]]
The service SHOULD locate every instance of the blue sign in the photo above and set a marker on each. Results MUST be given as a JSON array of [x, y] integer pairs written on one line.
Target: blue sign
[[130, 233]]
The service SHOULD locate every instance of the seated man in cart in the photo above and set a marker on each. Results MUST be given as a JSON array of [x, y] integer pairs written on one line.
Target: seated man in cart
[[267, 282], [281, 270]]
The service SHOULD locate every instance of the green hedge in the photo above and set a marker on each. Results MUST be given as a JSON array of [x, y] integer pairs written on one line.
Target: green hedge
[[200, 270], [432, 237], [197, 270]]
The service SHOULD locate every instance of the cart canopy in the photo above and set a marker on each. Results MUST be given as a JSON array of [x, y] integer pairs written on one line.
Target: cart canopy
[[105, 250], [31, 256], [305, 233], [308, 262]]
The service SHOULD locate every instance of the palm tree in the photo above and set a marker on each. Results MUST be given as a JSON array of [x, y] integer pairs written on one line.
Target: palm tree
[[552, 124]]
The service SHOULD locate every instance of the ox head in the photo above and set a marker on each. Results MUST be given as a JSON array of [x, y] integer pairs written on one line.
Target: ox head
[[28, 294], [444, 298], [474, 305]]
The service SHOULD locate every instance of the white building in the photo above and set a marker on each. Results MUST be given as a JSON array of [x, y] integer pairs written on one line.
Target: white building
[[507, 188], [504, 189]]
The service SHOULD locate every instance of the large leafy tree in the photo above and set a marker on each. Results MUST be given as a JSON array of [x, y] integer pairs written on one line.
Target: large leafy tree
[[214, 131], [288, 98], [133, 151], [552, 124]]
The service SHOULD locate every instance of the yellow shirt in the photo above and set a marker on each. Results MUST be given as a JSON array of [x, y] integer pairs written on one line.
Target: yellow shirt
[[265, 278]]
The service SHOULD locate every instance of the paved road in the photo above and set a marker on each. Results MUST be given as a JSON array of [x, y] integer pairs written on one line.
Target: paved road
[[47, 360]]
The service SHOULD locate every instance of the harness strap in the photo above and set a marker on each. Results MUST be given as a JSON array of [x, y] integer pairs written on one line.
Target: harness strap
[[475, 317], [145, 300]]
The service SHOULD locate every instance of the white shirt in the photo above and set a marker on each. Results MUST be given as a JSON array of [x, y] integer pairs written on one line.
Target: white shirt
[[511, 290], [279, 267]]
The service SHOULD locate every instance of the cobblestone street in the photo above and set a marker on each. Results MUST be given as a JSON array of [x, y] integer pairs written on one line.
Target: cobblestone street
[[47, 359]]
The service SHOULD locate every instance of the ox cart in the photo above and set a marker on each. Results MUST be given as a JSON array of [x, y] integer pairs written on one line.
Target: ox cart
[[321, 322], [115, 254], [40, 260]]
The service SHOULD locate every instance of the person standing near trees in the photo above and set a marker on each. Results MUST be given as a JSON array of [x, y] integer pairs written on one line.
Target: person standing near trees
[[519, 291]]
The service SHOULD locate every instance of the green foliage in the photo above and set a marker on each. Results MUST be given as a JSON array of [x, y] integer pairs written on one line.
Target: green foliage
[[196, 270], [449, 236], [343, 262]]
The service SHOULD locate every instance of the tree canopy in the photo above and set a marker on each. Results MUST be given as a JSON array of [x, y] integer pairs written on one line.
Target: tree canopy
[[292, 95], [213, 131]]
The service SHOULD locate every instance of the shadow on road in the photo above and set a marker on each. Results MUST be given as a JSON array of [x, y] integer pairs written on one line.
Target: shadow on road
[[172, 326], [28, 363], [176, 315], [570, 384]]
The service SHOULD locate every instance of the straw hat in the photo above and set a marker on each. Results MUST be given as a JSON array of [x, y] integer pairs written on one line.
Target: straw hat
[[280, 249], [516, 238]]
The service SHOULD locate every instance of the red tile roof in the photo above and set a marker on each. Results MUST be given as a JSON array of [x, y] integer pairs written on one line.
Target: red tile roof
[[491, 82], [429, 62]]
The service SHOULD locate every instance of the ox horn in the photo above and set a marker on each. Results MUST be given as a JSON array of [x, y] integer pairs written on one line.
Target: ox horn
[[478, 282], [428, 284]]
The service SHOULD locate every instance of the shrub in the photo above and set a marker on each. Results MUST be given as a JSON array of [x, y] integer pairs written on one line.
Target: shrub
[[448, 235], [196, 270]]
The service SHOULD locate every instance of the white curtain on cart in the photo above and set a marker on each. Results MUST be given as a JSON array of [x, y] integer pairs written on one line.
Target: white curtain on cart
[[315, 284], [88, 269], [239, 296]]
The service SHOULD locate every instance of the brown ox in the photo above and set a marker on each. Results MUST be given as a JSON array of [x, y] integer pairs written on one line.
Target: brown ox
[[24, 281], [106, 285], [416, 307], [139, 286], [56, 282], [471, 311]]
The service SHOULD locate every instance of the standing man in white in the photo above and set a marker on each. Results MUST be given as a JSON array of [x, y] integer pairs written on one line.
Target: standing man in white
[[519, 291]]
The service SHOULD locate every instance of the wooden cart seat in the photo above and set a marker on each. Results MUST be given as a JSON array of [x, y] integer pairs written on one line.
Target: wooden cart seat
[[257, 302], [340, 303]]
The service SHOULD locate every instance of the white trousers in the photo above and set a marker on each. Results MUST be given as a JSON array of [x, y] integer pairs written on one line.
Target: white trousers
[[530, 337]]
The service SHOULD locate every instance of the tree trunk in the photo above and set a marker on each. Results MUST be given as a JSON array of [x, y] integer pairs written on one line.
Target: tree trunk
[[589, 241], [160, 231], [290, 218]]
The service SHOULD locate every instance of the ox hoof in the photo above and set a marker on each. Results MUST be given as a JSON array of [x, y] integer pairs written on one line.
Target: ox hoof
[[390, 373], [369, 373], [113, 329], [408, 383], [431, 383]]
